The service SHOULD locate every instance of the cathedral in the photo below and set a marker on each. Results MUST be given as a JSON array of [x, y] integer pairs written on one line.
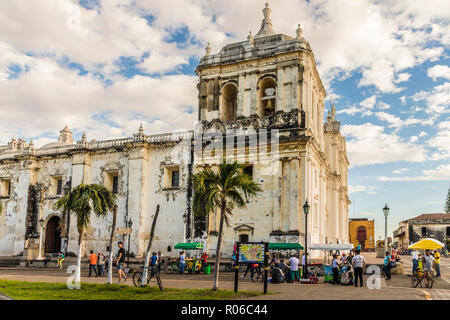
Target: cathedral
[[260, 102]]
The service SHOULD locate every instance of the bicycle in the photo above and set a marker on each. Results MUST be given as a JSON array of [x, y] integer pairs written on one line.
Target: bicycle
[[418, 276], [172, 267], [152, 272]]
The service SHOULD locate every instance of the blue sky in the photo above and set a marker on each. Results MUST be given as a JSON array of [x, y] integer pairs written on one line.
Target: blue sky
[[106, 66]]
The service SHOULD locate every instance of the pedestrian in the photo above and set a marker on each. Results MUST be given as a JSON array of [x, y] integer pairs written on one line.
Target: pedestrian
[[335, 267], [428, 261], [415, 259], [257, 269], [350, 257], [359, 263], [249, 268], [305, 265], [60, 259], [93, 263], [120, 262], [182, 262], [160, 260], [293, 264], [204, 259], [101, 263], [437, 263], [387, 266]]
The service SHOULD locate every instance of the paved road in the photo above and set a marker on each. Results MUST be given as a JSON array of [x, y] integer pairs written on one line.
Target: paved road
[[283, 291], [441, 287]]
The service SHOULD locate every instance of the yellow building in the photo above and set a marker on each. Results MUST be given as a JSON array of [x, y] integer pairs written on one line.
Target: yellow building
[[361, 233]]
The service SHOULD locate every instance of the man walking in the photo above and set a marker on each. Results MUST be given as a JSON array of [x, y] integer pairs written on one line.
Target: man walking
[[437, 263], [101, 264], [387, 266], [120, 261], [293, 263], [305, 265], [182, 262], [415, 260], [335, 267], [359, 263], [93, 263]]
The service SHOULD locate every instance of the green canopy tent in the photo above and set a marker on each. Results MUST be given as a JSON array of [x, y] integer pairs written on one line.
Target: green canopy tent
[[285, 246], [189, 246]]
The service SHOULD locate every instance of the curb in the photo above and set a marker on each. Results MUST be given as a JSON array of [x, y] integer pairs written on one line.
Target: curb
[[5, 297]]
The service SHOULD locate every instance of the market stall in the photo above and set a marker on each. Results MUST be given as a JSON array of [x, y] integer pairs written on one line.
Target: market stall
[[193, 264], [327, 248]]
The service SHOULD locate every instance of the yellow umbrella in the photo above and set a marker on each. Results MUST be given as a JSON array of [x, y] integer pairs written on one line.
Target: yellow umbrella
[[427, 243]]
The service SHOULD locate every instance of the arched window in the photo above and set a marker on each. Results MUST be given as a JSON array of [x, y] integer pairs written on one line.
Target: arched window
[[267, 97], [424, 231], [229, 102]]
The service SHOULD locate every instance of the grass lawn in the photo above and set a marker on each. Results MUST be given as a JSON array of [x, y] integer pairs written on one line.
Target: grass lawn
[[21, 290]]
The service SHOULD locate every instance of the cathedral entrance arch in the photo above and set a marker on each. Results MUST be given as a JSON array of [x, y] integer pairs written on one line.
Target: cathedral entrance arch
[[53, 236]]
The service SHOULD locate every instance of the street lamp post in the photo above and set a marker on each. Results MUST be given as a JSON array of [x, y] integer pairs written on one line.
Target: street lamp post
[[306, 211], [130, 224], [41, 224], [67, 188], [385, 212]]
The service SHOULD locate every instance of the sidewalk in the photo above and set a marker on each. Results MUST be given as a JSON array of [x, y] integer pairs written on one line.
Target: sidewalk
[[322, 291]]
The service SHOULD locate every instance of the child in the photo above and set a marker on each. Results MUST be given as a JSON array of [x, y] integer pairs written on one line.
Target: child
[[60, 260]]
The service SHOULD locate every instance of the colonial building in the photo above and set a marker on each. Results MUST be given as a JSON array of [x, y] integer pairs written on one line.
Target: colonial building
[[261, 101], [427, 225], [361, 233]]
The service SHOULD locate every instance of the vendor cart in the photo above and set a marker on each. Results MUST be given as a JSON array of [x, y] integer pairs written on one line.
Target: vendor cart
[[193, 264]]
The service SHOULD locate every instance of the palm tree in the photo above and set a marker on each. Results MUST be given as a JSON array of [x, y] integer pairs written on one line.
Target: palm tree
[[82, 200], [111, 239], [222, 190]]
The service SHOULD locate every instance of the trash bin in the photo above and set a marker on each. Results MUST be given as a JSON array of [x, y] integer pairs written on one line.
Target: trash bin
[[207, 269]]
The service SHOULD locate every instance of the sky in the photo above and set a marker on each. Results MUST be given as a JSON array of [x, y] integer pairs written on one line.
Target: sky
[[104, 67]]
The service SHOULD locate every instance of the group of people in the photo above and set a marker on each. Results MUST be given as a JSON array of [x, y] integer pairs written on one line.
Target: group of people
[[352, 267], [193, 264], [287, 272], [427, 263], [98, 262]]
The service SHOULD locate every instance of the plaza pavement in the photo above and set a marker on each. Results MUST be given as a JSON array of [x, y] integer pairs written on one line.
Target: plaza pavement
[[399, 288]]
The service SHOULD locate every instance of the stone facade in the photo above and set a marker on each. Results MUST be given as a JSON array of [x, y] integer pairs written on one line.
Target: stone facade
[[266, 93], [427, 225]]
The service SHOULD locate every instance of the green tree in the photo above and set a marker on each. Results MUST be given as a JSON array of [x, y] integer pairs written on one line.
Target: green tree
[[220, 191], [447, 202], [82, 200]]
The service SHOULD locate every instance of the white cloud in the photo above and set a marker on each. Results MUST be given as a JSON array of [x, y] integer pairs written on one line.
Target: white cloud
[[403, 99], [439, 71], [379, 40], [383, 106], [361, 188], [433, 202], [369, 144], [53, 96], [401, 170], [437, 99], [441, 141], [402, 77], [422, 134], [442, 172]]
